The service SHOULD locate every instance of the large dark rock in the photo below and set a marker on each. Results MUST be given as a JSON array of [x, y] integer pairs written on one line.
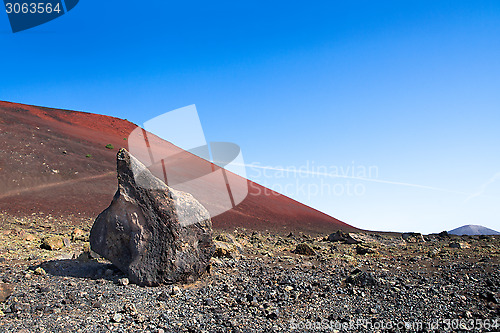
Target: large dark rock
[[150, 231], [5, 291]]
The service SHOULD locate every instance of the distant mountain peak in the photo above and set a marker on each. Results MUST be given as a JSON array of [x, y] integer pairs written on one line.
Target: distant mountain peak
[[473, 229]]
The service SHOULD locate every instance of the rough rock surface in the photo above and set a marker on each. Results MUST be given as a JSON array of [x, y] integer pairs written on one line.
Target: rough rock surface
[[459, 245], [413, 237], [52, 243], [227, 247], [341, 236], [364, 250], [361, 278], [304, 249], [224, 250], [150, 231]]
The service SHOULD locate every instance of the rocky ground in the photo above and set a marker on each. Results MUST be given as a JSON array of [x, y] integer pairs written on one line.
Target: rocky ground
[[258, 282]]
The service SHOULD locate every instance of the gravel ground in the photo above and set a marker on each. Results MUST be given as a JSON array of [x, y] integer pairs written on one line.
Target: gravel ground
[[263, 284]]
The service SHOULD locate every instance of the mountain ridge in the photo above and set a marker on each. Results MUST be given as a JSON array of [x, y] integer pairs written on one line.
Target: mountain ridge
[[55, 161]]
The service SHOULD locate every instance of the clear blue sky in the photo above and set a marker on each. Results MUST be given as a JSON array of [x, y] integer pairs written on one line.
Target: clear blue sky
[[410, 88]]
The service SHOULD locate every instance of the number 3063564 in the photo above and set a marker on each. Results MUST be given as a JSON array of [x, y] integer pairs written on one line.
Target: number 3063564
[[32, 8]]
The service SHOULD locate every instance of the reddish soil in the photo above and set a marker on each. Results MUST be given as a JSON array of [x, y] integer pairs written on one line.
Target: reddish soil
[[55, 162]]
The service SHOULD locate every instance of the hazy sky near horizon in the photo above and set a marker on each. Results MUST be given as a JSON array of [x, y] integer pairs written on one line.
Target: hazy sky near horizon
[[388, 111]]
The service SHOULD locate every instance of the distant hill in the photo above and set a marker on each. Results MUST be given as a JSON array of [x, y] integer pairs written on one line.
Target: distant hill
[[473, 230]]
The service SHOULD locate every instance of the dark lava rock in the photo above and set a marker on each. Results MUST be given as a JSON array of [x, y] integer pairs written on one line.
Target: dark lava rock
[[150, 231], [413, 237], [44, 289], [341, 236], [444, 235], [361, 278], [304, 249], [364, 250], [272, 313], [164, 296], [491, 297], [459, 245]]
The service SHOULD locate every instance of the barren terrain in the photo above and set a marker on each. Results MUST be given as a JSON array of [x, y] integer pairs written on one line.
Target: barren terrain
[[257, 282]]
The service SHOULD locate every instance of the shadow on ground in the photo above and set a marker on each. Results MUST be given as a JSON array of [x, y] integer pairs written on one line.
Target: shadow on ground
[[91, 269]]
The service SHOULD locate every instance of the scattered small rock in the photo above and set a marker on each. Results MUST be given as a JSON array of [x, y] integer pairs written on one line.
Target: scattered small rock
[[304, 249], [130, 308], [433, 252], [123, 281], [79, 235], [164, 296], [444, 235], [362, 250], [272, 314], [116, 318], [341, 236], [52, 243], [361, 278], [459, 245], [5, 291], [225, 250], [44, 289], [96, 304], [175, 290], [491, 297], [30, 237], [413, 237]]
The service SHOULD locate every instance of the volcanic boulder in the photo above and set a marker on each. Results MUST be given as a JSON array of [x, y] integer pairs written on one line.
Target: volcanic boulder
[[151, 232]]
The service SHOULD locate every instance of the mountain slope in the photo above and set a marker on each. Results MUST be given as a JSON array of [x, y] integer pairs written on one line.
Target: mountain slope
[[55, 161], [473, 230]]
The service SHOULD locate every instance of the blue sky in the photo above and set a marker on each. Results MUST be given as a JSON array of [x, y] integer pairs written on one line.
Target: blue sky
[[410, 88]]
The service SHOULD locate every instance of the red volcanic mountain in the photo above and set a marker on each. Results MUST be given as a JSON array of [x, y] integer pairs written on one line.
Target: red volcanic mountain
[[56, 162]]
